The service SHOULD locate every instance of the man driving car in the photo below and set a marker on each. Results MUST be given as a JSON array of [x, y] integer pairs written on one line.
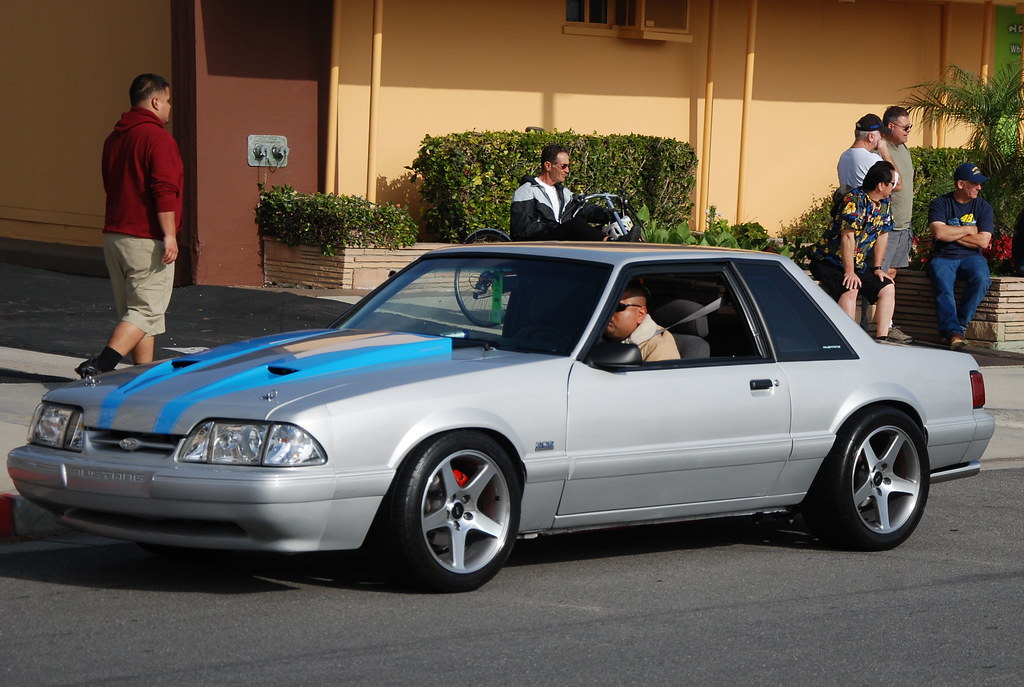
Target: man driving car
[[630, 324]]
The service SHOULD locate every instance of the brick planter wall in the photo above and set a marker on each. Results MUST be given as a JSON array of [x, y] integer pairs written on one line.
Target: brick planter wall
[[999, 322], [350, 268]]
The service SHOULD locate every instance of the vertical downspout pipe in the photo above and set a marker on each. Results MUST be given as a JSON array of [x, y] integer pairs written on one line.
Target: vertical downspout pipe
[[371, 143], [709, 107], [333, 82], [1020, 119], [748, 91], [947, 21], [988, 20]]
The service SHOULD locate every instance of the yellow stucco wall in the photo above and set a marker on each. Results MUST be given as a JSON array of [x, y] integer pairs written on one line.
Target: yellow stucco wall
[[819, 66], [66, 71], [464, 64]]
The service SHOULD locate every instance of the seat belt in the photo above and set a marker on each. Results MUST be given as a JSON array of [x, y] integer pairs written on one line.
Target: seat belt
[[706, 310]]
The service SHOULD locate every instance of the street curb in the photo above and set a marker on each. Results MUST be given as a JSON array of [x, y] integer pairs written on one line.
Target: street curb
[[20, 518]]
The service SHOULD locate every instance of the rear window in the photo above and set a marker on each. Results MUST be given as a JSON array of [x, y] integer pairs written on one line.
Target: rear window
[[797, 327]]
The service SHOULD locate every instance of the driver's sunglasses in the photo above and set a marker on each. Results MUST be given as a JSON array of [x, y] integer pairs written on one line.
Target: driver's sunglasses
[[620, 307], [562, 166], [906, 128]]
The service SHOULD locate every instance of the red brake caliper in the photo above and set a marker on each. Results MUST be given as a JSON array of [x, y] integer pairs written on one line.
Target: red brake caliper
[[460, 477]]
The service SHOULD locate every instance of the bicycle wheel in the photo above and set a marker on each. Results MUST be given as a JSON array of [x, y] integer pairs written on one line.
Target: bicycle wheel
[[488, 235], [481, 295]]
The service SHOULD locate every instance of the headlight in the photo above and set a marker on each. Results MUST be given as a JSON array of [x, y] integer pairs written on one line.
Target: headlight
[[227, 442], [57, 426]]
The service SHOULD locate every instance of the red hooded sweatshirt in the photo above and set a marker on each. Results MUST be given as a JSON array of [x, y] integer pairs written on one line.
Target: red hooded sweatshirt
[[142, 175]]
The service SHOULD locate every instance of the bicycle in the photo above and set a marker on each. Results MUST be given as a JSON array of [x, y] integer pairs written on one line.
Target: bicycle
[[625, 226], [483, 295]]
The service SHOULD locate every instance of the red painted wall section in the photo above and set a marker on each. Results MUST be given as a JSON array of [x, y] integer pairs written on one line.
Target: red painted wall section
[[259, 69]]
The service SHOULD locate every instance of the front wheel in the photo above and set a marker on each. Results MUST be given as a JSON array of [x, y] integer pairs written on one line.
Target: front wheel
[[872, 488], [454, 512]]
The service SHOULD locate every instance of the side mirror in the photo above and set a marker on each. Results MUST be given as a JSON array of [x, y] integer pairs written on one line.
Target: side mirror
[[609, 355]]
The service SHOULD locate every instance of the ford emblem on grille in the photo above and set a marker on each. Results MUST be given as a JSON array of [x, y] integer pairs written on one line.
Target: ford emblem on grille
[[129, 443]]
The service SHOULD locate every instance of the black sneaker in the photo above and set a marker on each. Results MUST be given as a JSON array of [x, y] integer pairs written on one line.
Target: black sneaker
[[90, 368]]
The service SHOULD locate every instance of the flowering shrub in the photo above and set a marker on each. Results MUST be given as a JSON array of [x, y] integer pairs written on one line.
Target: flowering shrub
[[920, 249], [1000, 256]]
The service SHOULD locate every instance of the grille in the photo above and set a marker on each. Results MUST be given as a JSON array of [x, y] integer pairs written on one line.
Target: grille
[[136, 444]]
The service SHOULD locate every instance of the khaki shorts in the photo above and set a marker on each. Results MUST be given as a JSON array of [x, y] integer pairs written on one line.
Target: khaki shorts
[[141, 283], [897, 250]]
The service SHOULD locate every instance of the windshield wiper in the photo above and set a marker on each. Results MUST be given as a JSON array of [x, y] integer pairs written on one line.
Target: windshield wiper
[[470, 342]]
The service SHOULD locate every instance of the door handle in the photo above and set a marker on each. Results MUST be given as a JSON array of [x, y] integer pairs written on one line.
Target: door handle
[[761, 384]]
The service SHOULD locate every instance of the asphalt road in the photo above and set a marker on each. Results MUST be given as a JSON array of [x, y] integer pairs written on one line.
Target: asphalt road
[[712, 603]]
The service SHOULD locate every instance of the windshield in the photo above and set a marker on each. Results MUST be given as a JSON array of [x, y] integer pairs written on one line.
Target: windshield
[[525, 304]]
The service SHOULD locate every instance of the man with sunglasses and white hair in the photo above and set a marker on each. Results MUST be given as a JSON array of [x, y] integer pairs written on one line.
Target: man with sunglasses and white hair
[[896, 128], [543, 208], [630, 324]]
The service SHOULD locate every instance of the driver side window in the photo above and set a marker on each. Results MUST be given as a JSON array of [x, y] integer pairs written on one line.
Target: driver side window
[[699, 310]]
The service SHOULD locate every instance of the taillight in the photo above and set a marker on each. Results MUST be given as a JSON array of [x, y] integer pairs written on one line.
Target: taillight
[[977, 389]]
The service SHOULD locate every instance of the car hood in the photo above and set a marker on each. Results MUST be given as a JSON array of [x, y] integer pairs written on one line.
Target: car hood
[[246, 380]]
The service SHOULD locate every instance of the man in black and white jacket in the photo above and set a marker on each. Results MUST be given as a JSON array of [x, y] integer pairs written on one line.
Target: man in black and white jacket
[[543, 209]]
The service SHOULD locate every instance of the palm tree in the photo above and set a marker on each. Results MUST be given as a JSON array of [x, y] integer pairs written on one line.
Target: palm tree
[[992, 111]]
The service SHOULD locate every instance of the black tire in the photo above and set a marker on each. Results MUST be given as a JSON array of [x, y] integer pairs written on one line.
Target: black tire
[[454, 512], [871, 490], [488, 235]]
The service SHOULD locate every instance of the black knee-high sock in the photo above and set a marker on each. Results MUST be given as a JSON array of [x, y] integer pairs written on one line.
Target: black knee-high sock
[[108, 359]]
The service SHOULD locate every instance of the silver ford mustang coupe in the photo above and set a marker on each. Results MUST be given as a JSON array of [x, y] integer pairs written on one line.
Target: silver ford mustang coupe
[[475, 397]]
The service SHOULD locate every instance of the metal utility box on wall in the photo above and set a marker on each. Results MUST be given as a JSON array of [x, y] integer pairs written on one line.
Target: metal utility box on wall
[[267, 151]]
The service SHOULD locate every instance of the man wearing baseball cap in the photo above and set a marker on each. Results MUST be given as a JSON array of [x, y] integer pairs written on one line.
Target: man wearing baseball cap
[[961, 224], [867, 149]]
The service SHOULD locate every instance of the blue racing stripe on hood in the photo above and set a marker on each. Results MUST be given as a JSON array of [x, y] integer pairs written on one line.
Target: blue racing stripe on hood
[[170, 368], [300, 358]]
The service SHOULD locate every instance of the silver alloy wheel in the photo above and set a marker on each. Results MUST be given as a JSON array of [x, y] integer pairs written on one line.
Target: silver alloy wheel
[[465, 511], [886, 479]]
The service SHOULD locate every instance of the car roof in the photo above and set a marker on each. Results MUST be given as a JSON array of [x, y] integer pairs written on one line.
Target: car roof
[[605, 252]]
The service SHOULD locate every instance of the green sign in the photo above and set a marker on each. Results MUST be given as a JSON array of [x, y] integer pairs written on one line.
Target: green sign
[[1009, 29]]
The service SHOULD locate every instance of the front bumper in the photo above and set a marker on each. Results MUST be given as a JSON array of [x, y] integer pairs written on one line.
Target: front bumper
[[203, 506]]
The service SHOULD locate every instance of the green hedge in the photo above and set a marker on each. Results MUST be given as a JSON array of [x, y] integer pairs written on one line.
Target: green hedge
[[332, 222], [468, 178]]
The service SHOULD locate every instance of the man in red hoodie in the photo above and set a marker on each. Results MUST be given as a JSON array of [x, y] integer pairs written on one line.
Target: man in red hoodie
[[143, 178]]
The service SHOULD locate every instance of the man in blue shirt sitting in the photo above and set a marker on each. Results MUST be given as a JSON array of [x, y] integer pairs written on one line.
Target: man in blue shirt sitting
[[961, 224]]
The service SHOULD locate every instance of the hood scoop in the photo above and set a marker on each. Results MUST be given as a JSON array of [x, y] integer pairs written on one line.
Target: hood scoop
[[281, 371]]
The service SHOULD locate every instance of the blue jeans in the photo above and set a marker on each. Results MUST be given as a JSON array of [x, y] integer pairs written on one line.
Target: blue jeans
[[973, 269]]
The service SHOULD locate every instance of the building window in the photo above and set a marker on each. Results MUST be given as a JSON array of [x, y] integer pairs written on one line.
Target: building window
[[587, 11], [646, 19]]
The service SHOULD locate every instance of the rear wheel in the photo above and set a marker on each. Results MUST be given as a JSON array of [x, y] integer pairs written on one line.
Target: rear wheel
[[871, 491], [454, 512]]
